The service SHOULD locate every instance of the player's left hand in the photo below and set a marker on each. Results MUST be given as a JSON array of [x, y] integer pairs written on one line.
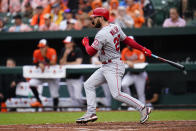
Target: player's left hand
[[147, 52], [85, 41]]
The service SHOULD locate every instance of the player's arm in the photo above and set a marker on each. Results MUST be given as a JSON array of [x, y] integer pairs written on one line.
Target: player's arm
[[154, 99], [76, 62], [53, 58], [132, 43], [35, 59], [89, 49]]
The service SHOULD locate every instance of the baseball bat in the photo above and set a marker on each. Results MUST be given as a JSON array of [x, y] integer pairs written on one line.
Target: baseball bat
[[177, 65]]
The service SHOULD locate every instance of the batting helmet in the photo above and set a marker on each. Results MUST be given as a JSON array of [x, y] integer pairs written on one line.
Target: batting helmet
[[101, 12]]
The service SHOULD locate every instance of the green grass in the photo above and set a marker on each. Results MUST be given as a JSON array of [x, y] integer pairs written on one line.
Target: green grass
[[70, 117]]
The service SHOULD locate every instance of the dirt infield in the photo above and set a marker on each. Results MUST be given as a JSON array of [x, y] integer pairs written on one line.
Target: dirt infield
[[111, 126]]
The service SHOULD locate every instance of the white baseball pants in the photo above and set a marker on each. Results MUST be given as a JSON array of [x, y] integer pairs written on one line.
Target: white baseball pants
[[53, 85], [112, 74], [74, 87]]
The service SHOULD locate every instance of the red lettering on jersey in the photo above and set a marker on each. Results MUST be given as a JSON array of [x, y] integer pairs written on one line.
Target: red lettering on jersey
[[114, 31]]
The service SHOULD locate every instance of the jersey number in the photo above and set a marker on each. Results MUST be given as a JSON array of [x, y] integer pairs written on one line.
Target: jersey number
[[117, 42]]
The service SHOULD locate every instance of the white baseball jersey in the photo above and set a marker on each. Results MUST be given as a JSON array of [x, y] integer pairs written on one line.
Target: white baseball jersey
[[107, 42]]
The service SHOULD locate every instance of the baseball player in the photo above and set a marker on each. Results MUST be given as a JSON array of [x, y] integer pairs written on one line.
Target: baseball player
[[107, 44], [72, 55], [42, 57], [131, 57]]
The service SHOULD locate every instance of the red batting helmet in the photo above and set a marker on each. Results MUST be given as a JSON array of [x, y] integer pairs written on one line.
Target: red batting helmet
[[101, 12]]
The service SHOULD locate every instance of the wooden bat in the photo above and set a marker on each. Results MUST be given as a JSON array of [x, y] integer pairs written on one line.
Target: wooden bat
[[177, 65]]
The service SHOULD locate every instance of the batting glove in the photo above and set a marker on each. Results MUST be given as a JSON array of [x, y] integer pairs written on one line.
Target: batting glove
[[147, 52], [85, 41]]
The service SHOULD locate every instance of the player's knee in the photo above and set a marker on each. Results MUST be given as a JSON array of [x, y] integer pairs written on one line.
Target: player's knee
[[87, 84], [115, 95]]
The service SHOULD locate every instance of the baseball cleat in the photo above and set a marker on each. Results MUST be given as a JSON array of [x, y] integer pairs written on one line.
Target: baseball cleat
[[87, 118], [145, 114]]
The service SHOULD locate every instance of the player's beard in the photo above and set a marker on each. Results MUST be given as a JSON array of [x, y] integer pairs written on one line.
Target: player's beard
[[98, 24]]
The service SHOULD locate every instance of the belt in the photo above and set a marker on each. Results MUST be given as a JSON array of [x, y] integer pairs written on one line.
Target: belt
[[108, 61]]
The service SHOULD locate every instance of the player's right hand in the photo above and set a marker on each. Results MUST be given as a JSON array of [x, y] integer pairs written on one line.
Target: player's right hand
[[147, 52], [85, 41]]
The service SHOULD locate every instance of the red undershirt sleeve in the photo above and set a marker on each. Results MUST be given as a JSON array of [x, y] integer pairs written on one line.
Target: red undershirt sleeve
[[132, 43], [90, 50]]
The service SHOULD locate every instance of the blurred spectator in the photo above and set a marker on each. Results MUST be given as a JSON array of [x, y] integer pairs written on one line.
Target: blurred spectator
[[42, 57], [35, 3], [174, 20], [12, 6], [72, 55], [148, 9], [19, 26], [130, 57], [79, 21], [69, 22], [152, 94], [122, 3], [82, 21], [108, 98], [28, 11], [38, 17], [136, 12], [48, 26], [95, 4], [9, 81], [188, 6], [193, 21], [62, 3], [3, 28], [57, 14], [113, 7], [73, 5], [84, 6], [86, 23], [124, 20]]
